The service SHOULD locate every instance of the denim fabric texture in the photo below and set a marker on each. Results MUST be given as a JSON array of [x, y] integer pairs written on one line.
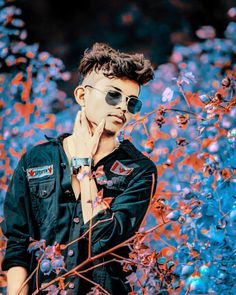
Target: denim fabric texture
[[45, 207]]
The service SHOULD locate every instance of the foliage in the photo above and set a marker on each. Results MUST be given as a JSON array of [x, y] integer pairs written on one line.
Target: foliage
[[187, 127]]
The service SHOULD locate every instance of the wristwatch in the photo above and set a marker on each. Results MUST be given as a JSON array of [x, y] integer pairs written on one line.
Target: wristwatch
[[77, 162]]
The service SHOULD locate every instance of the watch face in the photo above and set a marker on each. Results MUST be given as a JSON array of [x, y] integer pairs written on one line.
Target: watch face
[[77, 162]]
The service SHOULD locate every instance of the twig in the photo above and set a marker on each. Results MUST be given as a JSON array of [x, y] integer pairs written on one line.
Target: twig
[[80, 238], [184, 95], [123, 258], [90, 228], [165, 109], [145, 129], [92, 282], [165, 242], [30, 276], [91, 259]]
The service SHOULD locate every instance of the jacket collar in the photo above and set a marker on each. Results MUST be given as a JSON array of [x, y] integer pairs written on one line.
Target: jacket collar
[[126, 145], [57, 139]]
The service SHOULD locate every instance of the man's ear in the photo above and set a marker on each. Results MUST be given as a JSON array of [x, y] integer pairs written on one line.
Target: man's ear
[[79, 95]]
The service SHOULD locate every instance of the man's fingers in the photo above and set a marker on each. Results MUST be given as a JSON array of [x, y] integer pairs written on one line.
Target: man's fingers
[[101, 126], [83, 131], [96, 136], [99, 130], [84, 122]]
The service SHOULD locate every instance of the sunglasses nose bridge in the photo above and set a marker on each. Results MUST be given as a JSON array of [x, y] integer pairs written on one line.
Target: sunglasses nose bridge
[[123, 102]]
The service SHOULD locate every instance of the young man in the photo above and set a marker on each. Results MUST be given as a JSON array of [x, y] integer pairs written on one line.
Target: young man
[[58, 186]]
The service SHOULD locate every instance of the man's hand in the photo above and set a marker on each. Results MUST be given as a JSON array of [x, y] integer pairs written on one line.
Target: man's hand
[[85, 143]]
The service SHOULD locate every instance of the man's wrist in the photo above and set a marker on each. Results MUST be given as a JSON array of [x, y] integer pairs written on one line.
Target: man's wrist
[[84, 172]]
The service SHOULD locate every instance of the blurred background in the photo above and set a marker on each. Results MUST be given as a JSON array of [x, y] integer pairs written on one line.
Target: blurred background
[[187, 125], [67, 28]]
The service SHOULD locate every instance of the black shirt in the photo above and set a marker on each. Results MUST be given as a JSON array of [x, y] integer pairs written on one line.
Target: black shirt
[[40, 203]]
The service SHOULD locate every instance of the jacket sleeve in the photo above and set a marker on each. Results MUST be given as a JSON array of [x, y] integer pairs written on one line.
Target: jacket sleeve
[[15, 225], [129, 209]]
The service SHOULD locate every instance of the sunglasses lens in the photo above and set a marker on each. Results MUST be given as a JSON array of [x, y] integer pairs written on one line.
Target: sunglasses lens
[[134, 105], [113, 97]]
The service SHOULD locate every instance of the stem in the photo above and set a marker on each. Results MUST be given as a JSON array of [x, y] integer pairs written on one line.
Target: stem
[[145, 129], [187, 112], [123, 258], [166, 242], [162, 218], [80, 238], [31, 275], [92, 282], [90, 229], [167, 109], [26, 281], [91, 259], [184, 95]]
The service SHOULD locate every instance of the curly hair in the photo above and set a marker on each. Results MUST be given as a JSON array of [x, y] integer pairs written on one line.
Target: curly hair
[[114, 63]]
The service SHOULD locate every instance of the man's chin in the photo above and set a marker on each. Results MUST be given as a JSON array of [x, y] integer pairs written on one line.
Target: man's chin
[[111, 131]]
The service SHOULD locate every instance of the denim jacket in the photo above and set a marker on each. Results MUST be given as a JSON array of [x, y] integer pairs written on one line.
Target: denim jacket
[[40, 204]]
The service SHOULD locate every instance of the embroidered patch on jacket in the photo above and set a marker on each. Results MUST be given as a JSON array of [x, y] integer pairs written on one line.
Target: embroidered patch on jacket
[[120, 169], [37, 172], [100, 175]]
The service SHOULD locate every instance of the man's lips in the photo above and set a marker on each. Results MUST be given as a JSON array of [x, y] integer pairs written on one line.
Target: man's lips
[[121, 118]]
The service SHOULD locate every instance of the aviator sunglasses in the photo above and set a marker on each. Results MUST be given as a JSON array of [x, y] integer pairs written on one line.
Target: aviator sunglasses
[[114, 97]]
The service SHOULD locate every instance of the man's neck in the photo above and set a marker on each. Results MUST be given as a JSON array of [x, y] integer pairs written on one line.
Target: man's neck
[[106, 144]]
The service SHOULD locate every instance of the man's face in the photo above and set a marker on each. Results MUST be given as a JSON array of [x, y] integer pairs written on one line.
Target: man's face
[[96, 107]]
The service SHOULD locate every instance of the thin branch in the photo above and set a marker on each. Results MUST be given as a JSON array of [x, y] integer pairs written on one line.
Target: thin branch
[[123, 258], [165, 109], [30, 276], [91, 259], [145, 129], [165, 242], [90, 228], [92, 282], [184, 95], [83, 236]]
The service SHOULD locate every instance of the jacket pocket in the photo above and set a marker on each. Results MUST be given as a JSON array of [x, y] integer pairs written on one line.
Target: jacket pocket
[[42, 193], [42, 189]]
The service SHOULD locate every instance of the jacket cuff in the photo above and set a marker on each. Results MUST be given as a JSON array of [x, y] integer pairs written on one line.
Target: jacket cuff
[[8, 263], [16, 256]]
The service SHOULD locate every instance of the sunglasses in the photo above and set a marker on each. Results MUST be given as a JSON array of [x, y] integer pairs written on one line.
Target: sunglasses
[[114, 97]]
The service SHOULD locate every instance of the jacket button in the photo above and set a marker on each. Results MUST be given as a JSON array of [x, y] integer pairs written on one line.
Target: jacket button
[[67, 192], [70, 253], [63, 165], [76, 220], [110, 183], [71, 285], [44, 193]]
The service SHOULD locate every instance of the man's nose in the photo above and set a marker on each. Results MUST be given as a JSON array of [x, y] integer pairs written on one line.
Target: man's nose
[[123, 104]]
